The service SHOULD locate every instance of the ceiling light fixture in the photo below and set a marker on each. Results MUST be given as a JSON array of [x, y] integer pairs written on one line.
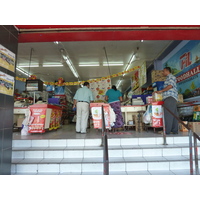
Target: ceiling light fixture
[[119, 83], [141, 40], [113, 64], [23, 72], [59, 65], [89, 65], [129, 64], [69, 63], [56, 42], [28, 66]]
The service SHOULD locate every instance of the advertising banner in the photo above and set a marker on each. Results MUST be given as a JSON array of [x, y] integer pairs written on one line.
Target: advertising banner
[[185, 66], [99, 88], [143, 74], [7, 83], [7, 59], [38, 123]]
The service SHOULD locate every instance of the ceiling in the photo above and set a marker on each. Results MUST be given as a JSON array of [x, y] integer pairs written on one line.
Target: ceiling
[[87, 52]]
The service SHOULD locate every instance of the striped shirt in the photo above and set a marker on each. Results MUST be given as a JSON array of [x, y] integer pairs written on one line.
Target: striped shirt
[[173, 92]]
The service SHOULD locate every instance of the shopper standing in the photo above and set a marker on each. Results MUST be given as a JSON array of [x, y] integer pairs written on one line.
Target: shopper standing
[[114, 97], [82, 100], [170, 97]]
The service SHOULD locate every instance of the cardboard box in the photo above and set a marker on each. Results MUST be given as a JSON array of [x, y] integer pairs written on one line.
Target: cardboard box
[[180, 98], [157, 75], [19, 122], [182, 128], [196, 108], [195, 126], [196, 116]]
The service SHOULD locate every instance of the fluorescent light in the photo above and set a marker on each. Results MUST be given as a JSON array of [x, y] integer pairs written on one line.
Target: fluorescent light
[[113, 64], [129, 64], [59, 65], [28, 66], [141, 40], [23, 72], [118, 83], [89, 65], [56, 42]]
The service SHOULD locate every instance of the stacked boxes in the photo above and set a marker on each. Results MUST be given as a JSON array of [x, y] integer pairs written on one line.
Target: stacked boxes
[[137, 120], [182, 128], [180, 98], [157, 75], [196, 113], [195, 126]]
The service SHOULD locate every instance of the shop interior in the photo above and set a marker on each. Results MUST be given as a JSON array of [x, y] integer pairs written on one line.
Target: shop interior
[[49, 73]]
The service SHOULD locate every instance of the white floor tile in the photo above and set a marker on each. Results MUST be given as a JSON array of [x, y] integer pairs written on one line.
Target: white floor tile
[[26, 168], [116, 159], [34, 154], [129, 141], [75, 142], [158, 166], [48, 168], [93, 153], [92, 160], [92, 173], [175, 158], [178, 140], [138, 173], [53, 154], [143, 141], [152, 152], [134, 159], [92, 167], [181, 172], [31, 161], [73, 154], [58, 143], [70, 168], [117, 167], [179, 165], [172, 152], [93, 142], [117, 173], [51, 160], [18, 154], [154, 158], [132, 153], [161, 172], [115, 153], [47, 173], [72, 173], [136, 166], [40, 143], [114, 141], [71, 160], [21, 143]]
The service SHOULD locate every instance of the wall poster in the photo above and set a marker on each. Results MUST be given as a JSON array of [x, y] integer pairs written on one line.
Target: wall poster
[[7, 83], [185, 65], [7, 59]]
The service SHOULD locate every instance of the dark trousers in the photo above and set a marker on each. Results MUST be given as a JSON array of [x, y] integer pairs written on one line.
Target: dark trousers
[[171, 123]]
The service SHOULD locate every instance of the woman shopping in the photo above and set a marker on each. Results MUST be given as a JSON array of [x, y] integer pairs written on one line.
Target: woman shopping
[[114, 97]]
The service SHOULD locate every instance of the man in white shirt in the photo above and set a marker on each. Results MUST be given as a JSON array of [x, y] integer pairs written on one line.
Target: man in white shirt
[[82, 100]]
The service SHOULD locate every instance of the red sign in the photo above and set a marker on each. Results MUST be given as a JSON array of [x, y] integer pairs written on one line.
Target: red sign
[[38, 123], [185, 60], [188, 74]]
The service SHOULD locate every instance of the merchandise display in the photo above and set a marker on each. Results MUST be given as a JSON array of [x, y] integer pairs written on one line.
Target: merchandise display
[[157, 75]]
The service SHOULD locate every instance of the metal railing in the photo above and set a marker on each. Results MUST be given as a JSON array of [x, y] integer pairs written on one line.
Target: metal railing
[[105, 146], [190, 133]]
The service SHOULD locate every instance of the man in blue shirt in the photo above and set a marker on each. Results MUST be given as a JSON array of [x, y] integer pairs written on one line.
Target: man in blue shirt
[[170, 97], [82, 100]]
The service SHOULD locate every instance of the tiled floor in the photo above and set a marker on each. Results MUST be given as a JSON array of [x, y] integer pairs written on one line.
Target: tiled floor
[[68, 132]]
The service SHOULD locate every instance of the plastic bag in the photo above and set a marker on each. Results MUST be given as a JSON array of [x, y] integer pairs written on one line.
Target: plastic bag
[[147, 115], [24, 130]]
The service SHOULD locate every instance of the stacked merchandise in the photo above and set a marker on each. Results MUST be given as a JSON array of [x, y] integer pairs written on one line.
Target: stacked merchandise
[[137, 101], [194, 124], [157, 75], [63, 104], [137, 120]]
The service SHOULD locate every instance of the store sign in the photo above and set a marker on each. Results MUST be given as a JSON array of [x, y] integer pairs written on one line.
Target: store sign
[[185, 65]]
